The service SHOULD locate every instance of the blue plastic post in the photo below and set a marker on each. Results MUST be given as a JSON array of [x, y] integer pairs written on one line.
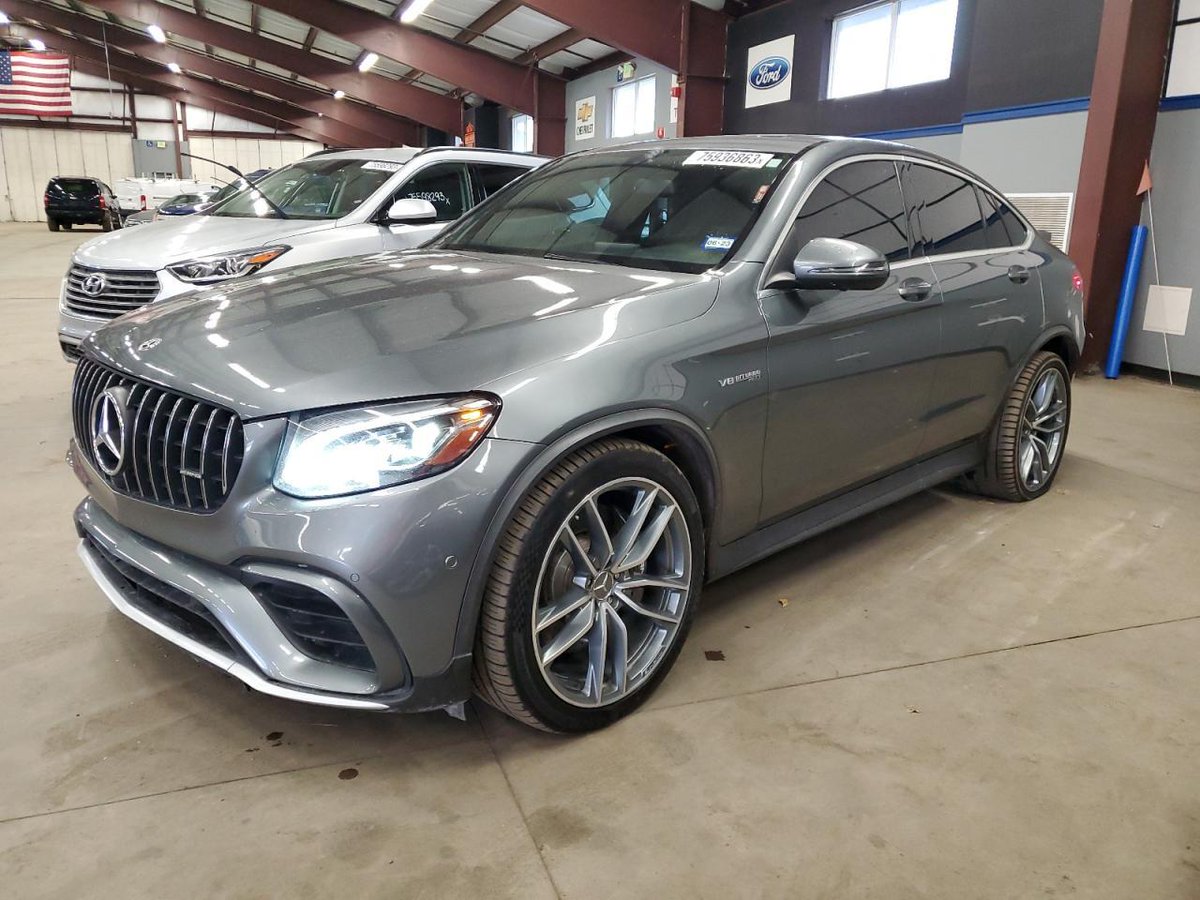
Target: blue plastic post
[[1129, 286]]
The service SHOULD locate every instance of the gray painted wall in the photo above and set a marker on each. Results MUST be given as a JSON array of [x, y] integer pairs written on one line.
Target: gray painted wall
[[1176, 198], [601, 84], [1031, 155]]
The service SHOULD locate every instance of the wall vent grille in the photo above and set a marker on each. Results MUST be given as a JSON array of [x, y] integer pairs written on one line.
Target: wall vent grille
[[1050, 213]]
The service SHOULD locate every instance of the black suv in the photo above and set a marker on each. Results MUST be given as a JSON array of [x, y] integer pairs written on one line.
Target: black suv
[[81, 201]]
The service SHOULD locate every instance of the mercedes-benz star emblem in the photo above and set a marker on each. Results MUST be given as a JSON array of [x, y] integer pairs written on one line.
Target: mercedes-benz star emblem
[[109, 432], [149, 344], [94, 285]]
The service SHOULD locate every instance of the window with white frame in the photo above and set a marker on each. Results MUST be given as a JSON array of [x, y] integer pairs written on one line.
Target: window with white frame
[[633, 108], [522, 133], [891, 44]]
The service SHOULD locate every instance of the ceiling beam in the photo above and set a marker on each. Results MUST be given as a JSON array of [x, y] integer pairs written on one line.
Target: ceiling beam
[[376, 128], [533, 55], [653, 31], [493, 16], [687, 38], [469, 68], [150, 86], [125, 64], [418, 104]]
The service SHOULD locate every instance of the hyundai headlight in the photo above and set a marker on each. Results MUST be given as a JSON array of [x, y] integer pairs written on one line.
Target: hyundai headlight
[[223, 266], [346, 451]]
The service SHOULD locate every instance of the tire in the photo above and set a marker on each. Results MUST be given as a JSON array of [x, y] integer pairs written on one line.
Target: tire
[[52, 223], [66, 226], [572, 591], [1027, 443], [106, 224]]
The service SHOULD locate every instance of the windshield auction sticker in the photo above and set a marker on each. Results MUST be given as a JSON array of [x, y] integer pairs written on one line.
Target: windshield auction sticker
[[740, 159], [378, 165]]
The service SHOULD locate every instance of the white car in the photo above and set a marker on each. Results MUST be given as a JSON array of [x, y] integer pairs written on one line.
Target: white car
[[328, 206]]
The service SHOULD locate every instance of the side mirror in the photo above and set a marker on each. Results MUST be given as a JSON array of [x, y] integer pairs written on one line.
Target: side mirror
[[834, 264], [410, 211]]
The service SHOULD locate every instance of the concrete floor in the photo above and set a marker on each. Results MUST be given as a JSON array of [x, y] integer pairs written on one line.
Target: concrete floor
[[960, 698]]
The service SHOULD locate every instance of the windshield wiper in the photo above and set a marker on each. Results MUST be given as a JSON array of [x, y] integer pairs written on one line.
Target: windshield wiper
[[566, 257], [250, 184]]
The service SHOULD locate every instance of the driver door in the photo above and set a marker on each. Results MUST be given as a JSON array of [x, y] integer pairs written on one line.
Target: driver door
[[446, 186], [851, 372]]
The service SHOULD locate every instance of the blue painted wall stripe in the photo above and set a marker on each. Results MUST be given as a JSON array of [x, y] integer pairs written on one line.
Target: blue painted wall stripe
[[1028, 111], [1190, 101]]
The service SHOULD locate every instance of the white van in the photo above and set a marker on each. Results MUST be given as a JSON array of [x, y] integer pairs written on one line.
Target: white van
[[327, 206]]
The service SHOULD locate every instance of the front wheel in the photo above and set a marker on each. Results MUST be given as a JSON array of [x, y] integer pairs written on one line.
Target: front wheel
[[592, 591], [1027, 443]]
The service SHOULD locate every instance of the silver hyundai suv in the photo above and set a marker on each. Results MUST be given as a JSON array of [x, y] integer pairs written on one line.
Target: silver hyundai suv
[[327, 206], [509, 461]]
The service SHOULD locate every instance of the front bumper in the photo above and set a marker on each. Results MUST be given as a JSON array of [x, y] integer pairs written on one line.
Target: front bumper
[[396, 561]]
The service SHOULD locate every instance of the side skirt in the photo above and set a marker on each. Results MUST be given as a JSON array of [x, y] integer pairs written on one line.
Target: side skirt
[[843, 508]]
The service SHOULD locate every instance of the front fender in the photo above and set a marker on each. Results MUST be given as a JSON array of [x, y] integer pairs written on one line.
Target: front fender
[[542, 463]]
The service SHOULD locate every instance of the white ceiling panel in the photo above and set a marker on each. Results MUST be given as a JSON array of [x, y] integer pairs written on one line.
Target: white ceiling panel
[[281, 26]]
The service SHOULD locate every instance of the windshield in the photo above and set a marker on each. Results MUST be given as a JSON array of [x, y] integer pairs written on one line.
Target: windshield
[[678, 210], [183, 199], [311, 189]]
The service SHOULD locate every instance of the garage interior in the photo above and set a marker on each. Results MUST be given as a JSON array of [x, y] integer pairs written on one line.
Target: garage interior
[[950, 697]]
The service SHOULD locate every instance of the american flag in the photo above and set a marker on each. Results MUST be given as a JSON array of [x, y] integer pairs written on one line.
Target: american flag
[[34, 84]]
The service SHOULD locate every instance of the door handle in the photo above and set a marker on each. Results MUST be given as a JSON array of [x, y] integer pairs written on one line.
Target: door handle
[[915, 289], [1018, 274]]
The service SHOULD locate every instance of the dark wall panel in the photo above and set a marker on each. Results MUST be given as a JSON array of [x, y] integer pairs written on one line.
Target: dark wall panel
[[1006, 53]]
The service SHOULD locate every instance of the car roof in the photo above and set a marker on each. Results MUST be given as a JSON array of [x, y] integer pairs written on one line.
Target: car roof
[[776, 143], [404, 154], [390, 154]]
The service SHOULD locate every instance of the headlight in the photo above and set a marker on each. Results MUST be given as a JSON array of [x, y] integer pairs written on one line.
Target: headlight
[[327, 454], [211, 269]]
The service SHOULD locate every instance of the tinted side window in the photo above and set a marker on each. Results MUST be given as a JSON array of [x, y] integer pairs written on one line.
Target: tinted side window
[[1017, 232], [995, 235], [491, 177], [444, 185], [945, 213], [858, 202]]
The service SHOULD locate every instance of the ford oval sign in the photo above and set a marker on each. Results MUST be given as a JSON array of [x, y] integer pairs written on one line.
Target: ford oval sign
[[769, 72]]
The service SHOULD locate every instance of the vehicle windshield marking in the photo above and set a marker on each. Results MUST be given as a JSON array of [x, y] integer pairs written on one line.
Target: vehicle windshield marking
[[672, 210]]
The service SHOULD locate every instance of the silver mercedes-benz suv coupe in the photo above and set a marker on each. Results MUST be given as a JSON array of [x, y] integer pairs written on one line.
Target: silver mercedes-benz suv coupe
[[508, 461], [327, 206]]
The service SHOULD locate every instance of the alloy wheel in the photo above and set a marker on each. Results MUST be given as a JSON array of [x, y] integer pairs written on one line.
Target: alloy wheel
[[612, 592], [1043, 425]]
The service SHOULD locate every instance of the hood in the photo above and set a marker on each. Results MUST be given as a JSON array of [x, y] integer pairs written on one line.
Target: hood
[[188, 237], [389, 326]]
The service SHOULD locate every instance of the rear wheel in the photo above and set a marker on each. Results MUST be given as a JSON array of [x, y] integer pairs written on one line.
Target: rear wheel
[[106, 224], [1028, 440], [52, 223], [593, 589], [66, 226]]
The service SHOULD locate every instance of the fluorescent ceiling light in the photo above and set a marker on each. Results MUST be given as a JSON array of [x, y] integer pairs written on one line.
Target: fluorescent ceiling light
[[3, 19], [414, 9], [37, 45], [157, 33], [174, 67], [339, 94], [368, 62]]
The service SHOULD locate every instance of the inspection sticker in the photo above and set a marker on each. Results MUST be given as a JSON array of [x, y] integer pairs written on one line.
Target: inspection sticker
[[740, 159], [378, 165], [716, 242]]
